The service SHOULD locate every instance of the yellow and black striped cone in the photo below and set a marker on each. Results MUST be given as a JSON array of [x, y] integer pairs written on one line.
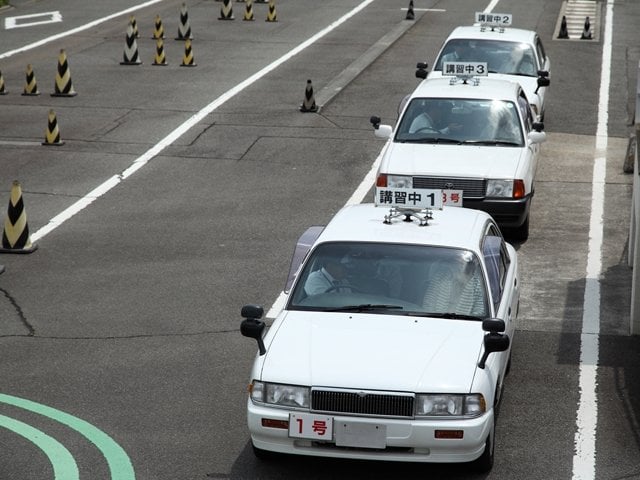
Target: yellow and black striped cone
[[248, 10], [226, 11], [158, 30], [134, 26], [30, 86], [187, 59], [131, 48], [563, 33], [63, 86], [271, 14], [159, 58], [309, 103], [586, 31], [410, 13], [15, 237], [52, 135], [184, 29], [3, 90]]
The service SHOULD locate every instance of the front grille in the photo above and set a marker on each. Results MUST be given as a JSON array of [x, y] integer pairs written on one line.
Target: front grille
[[362, 403], [471, 188]]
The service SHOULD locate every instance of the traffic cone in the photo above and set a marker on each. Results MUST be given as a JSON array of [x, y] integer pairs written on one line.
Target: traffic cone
[[586, 31], [248, 10], [3, 91], [63, 86], [187, 59], [131, 48], [309, 103], [226, 11], [52, 135], [134, 26], [184, 29], [159, 58], [271, 14], [563, 33], [158, 30], [15, 237], [30, 86], [410, 13]]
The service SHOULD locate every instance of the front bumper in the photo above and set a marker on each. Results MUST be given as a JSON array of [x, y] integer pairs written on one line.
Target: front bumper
[[407, 440], [507, 213]]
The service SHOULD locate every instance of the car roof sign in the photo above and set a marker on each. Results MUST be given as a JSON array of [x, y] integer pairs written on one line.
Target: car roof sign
[[494, 20]]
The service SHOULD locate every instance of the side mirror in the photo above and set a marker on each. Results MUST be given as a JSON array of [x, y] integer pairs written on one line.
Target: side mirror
[[494, 341], [421, 73], [384, 131], [537, 137], [543, 80], [251, 326], [422, 65]]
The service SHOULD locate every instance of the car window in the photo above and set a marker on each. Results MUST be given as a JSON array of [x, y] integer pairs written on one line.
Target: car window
[[496, 259], [406, 279], [525, 110], [439, 120], [512, 58], [542, 56]]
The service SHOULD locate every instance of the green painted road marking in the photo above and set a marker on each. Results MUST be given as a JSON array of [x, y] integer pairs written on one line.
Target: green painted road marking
[[64, 466], [117, 459]]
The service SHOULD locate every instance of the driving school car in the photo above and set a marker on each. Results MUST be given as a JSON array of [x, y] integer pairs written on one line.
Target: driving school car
[[405, 357], [511, 53], [473, 137]]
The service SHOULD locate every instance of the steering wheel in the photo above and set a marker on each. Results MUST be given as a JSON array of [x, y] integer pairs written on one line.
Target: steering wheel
[[335, 288], [427, 129]]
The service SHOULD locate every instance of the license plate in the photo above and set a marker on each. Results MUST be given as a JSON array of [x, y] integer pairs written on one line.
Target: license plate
[[452, 198], [362, 435], [314, 427]]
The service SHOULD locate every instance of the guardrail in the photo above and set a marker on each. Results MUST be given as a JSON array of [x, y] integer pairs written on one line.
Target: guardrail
[[634, 237]]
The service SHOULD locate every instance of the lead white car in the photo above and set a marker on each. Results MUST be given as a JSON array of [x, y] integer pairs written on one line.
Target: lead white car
[[403, 359], [474, 137], [511, 53]]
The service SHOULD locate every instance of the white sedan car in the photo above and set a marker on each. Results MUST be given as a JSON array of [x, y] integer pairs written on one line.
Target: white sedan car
[[394, 341], [474, 137], [511, 53]]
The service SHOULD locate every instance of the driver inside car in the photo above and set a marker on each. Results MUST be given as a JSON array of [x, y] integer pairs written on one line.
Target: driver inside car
[[331, 277]]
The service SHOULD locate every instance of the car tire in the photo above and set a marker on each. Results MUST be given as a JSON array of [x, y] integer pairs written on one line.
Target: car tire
[[264, 455], [484, 463], [521, 233]]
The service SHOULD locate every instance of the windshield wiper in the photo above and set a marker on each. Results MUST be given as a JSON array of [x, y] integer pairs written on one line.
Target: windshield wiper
[[434, 140], [365, 307], [492, 142], [452, 315]]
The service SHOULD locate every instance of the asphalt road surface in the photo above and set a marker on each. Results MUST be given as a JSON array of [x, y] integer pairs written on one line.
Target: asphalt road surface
[[179, 193]]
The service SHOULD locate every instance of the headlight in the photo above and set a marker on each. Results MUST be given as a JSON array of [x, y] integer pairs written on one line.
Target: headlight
[[279, 394], [399, 181], [500, 188], [444, 405]]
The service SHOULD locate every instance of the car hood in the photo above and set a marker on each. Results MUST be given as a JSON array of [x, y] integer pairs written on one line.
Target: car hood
[[451, 160], [378, 352]]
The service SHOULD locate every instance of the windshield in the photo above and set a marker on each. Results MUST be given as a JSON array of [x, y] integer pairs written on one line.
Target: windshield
[[511, 58], [460, 121], [392, 278]]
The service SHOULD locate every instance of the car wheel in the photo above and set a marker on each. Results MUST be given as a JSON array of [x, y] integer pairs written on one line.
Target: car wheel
[[484, 462], [264, 455], [521, 233]]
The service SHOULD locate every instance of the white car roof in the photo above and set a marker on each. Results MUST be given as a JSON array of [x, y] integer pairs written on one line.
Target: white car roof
[[507, 34], [452, 227], [488, 88]]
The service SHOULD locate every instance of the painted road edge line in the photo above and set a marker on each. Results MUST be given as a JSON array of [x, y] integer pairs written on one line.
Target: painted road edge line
[[584, 459]]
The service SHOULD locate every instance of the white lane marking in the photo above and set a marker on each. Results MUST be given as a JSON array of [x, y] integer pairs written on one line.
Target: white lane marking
[[81, 28], [185, 127], [18, 22], [584, 459]]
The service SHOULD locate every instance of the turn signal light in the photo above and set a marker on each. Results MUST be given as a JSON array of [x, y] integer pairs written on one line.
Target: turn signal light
[[381, 181], [271, 423], [449, 434], [518, 189]]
